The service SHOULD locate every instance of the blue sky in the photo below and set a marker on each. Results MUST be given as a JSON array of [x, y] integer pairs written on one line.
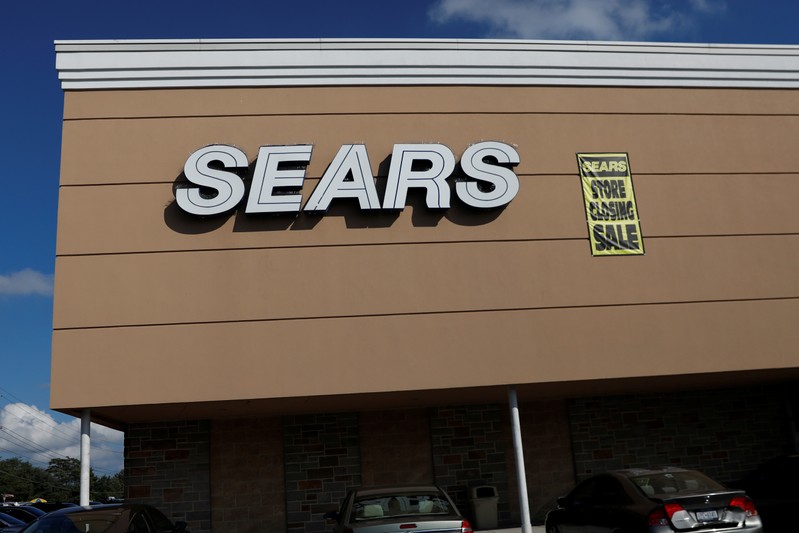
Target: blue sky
[[30, 142]]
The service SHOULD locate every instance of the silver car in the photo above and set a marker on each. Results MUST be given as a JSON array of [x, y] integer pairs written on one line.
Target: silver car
[[655, 500], [420, 509]]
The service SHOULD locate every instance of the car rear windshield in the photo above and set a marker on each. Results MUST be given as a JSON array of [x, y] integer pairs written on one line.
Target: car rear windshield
[[382, 506], [670, 484]]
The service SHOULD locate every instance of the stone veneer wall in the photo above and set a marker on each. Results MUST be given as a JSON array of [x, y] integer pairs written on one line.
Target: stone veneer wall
[[724, 433], [247, 489], [322, 461], [457, 448], [167, 465], [395, 447], [469, 450], [547, 456]]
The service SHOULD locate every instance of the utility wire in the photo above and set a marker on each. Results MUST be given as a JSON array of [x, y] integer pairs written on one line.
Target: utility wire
[[46, 420], [46, 464], [46, 482], [19, 440], [56, 432], [34, 447], [72, 438], [17, 454], [22, 405]]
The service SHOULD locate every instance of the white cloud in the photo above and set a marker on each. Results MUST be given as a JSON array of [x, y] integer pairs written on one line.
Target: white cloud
[[575, 19], [26, 282], [35, 436]]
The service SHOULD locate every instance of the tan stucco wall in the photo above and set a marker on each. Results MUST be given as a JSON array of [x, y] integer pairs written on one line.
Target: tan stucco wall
[[166, 308]]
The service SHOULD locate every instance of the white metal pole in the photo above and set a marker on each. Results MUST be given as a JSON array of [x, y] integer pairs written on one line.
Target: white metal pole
[[85, 455], [527, 526]]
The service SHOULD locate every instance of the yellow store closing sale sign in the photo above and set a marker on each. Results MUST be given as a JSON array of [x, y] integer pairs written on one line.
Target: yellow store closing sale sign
[[613, 224]]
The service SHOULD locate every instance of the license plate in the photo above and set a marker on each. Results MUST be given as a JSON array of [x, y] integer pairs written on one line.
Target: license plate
[[707, 516]]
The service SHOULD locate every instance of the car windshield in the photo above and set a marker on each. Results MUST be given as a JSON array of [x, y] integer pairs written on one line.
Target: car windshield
[[376, 507], [670, 484]]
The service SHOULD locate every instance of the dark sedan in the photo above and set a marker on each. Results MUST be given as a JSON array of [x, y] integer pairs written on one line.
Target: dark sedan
[[112, 518], [659, 500]]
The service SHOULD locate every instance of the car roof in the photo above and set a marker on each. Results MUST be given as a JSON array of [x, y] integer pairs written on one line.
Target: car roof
[[388, 489], [101, 507], [635, 472]]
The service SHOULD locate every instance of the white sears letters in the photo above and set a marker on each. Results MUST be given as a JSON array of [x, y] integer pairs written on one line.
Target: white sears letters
[[268, 176], [280, 172], [351, 160], [438, 163], [504, 183], [229, 187]]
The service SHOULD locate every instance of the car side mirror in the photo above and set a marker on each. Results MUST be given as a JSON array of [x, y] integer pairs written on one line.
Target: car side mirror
[[563, 501]]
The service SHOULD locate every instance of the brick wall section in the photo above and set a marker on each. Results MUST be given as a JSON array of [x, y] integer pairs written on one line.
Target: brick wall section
[[322, 461], [166, 465], [469, 450], [546, 441], [395, 447], [724, 433], [247, 480]]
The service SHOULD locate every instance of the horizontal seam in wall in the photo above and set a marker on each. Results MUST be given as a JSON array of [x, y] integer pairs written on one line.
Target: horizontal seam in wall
[[520, 175], [415, 243], [430, 313], [431, 113]]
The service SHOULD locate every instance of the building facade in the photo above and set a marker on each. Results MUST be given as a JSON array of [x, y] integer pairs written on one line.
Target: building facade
[[286, 268]]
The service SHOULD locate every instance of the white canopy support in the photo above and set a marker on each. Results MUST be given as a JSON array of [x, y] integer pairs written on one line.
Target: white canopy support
[[524, 504], [85, 455]]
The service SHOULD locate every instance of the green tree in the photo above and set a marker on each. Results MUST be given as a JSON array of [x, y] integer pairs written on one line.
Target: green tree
[[64, 478], [22, 479], [105, 487], [60, 481]]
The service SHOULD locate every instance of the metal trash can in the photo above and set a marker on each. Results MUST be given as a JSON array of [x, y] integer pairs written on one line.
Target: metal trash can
[[483, 500]]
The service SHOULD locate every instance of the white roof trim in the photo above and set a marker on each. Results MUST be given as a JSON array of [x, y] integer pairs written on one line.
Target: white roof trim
[[299, 62]]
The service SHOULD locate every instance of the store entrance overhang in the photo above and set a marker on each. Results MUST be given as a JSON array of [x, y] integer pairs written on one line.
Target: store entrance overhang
[[119, 416]]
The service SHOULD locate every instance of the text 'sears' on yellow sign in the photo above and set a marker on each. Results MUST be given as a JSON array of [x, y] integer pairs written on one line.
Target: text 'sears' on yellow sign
[[613, 224]]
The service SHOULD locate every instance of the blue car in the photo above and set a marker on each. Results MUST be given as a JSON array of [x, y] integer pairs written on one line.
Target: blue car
[[9, 524], [111, 518]]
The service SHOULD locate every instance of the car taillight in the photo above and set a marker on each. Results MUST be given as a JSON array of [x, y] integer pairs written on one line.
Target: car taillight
[[672, 508], [662, 515], [466, 527], [657, 518], [745, 504]]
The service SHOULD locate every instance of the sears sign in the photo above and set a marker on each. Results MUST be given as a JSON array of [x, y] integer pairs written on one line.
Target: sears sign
[[215, 187]]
